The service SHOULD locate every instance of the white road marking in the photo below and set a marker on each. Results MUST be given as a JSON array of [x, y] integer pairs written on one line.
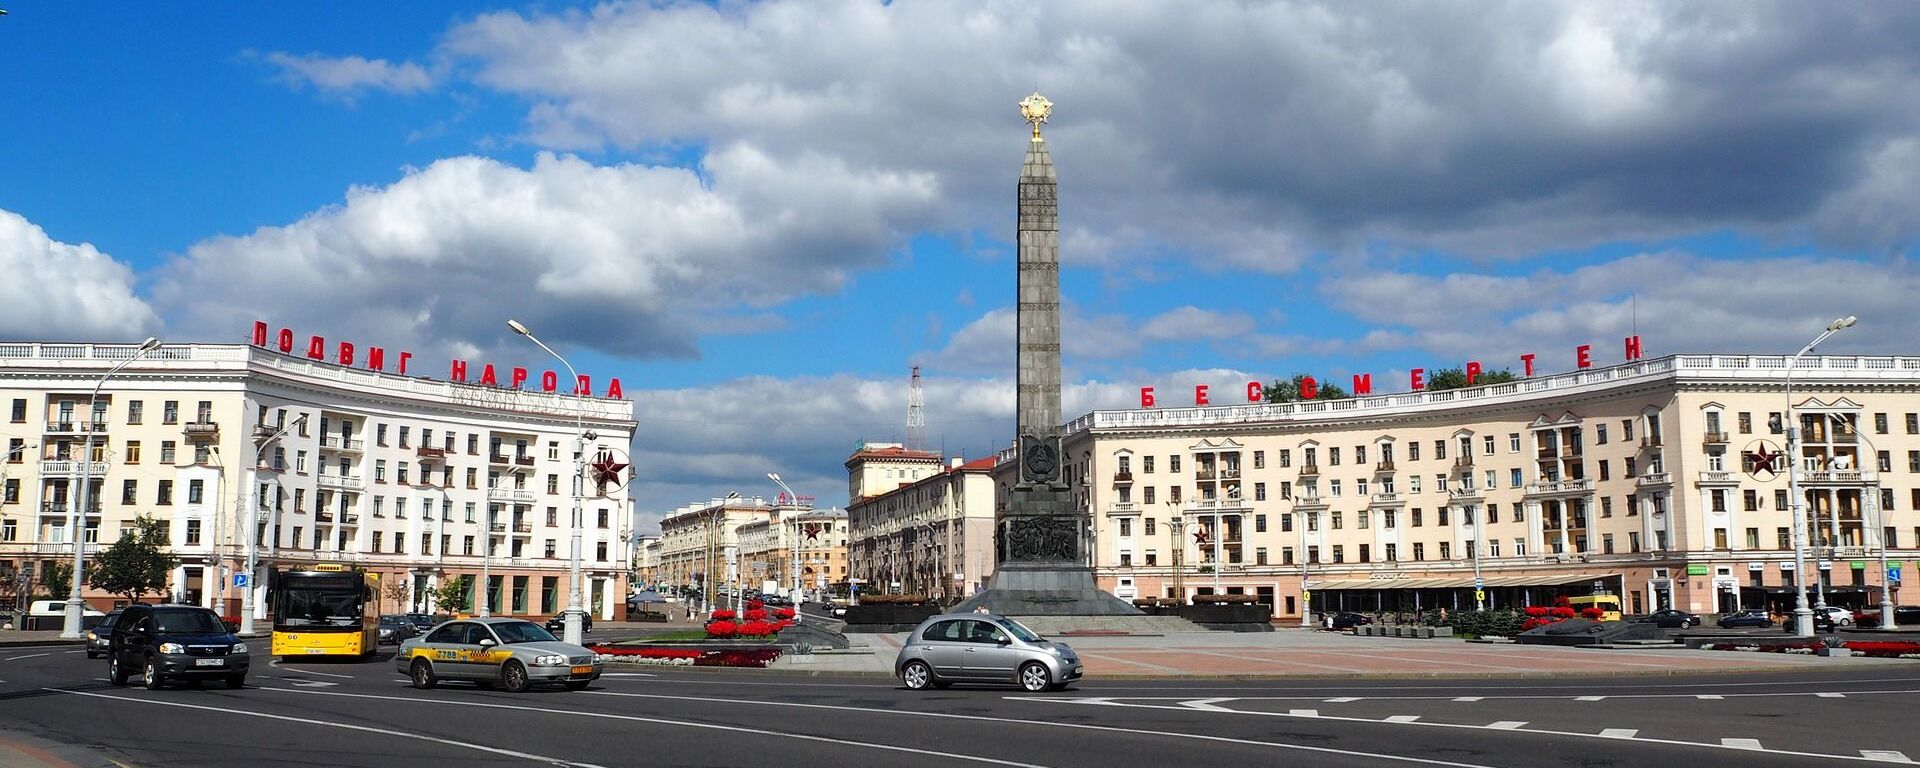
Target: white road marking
[[1831, 695], [1206, 704], [1304, 712], [1402, 718], [81, 651], [681, 723], [1589, 698], [1538, 697], [277, 665], [1742, 744], [1466, 698], [1044, 724], [1343, 699], [628, 674], [1619, 733], [345, 726], [312, 683], [1708, 697], [28, 656], [1506, 725], [1886, 755]]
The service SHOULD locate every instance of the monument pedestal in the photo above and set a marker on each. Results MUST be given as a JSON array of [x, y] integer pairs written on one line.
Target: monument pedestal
[[1033, 589]]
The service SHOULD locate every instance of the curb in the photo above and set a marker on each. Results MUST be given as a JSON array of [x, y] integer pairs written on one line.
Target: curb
[[1124, 677], [38, 643]]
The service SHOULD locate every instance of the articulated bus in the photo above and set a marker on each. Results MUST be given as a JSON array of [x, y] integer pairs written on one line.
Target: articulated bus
[[327, 611]]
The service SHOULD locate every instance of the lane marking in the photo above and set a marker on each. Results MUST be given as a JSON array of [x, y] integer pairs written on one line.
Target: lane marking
[[1742, 744], [627, 674], [682, 723], [1206, 704], [28, 656], [1831, 695], [344, 726], [1402, 718], [1537, 697], [1045, 724], [1619, 733], [1304, 712], [1885, 755], [1343, 699], [81, 651], [1506, 725], [1708, 697], [277, 665], [1340, 718], [1590, 698], [1466, 698]]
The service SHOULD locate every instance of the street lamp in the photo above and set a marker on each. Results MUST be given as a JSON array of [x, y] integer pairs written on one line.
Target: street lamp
[[1880, 524], [77, 520], [793, 548], [1177, 523], [575, 610], [254, 583], [1802, 615]]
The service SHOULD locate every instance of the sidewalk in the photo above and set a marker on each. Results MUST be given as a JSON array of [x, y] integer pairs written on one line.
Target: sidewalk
[[13, 638], [1312, 653]]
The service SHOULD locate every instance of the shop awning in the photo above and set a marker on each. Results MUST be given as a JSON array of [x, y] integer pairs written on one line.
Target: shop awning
[[1461, 582]]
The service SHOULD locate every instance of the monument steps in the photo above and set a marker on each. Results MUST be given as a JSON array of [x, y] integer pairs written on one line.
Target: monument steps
[[1053, 626]]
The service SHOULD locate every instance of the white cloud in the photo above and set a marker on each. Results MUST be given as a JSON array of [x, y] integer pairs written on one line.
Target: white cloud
[[631, 260], [347, 76], [60, 291], [1190, 323], [986, 346]]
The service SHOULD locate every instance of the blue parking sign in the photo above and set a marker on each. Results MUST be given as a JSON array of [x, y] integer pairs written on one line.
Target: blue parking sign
[[240, 580], [1893, 574]]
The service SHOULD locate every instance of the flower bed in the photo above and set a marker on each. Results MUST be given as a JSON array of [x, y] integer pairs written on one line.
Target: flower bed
[[1802, 648], [1885, 649], [695, 657], [755, 622]]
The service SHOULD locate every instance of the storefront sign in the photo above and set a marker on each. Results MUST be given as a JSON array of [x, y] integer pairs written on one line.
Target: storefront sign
[[1696, 570], [1756, 566], [1858, 565]]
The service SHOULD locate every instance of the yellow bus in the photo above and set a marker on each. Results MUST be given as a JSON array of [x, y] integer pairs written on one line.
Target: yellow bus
[[327, 611], [1609, 604]]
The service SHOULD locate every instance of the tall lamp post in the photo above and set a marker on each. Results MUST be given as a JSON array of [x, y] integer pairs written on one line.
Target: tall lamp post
[[76, 522], [575, 610], [1802, 615], [793, 546], [1177, 523], [1880, 523], [255, 584]]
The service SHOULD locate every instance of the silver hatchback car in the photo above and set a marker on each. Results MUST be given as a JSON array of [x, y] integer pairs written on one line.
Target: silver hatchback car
[[983, 648]]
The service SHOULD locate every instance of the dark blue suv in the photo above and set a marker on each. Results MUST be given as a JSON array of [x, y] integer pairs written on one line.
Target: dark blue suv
[[174, 642]]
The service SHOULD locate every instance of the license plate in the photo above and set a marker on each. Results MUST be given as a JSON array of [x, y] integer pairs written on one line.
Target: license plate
[[583, 670], [315, 651], [209, 662]]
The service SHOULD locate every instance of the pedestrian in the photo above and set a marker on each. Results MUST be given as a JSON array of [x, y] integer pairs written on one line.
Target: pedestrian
[[1443, 614]]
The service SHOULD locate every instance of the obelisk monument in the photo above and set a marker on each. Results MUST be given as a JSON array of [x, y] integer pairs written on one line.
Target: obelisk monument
[[1041, 541]]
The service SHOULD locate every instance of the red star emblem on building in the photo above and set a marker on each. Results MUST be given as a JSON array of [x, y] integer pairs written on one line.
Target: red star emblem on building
[[606, 470], [1200, 536], [1761, 460]]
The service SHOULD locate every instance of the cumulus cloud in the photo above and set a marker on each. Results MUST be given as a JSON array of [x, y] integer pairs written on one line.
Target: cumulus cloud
[[987, 345], [1246, 136], [631, 260], [1192, 323], [348, 76], [60, 291]]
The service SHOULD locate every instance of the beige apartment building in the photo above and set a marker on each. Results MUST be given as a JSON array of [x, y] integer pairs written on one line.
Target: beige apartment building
[[919, 527], [1655, 480], [800, 548], [417, 480]]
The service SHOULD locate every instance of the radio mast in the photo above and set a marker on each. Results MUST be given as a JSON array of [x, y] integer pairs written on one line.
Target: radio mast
[[916, 415]]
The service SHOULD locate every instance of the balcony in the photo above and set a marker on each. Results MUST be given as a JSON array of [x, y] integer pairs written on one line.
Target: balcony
[[338, 443], [1122, 508], [1650, 441], [1230, 473], [1383, 467], [1561, 488], [323, 517], [204, 429], [431, 454], [1841, 477], [509, 494], [1310, 502], [340, 482], [1310, 470], [1715, 438], [1570, 452], [71, 467], [1653, 479], [1388, 499], [523, 461], [70, 427], [1719, 478], [1463, 461], [1462, 493], [1203, 473], [523, 527], [1123, 477], [497, 527], [499, 458]]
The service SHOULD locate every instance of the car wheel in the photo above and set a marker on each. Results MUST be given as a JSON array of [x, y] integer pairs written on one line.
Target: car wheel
[[577, 685], [1034, 677], [422, 674], [513, 677], [116, 674], [154, 680], [916, 675], [237, 682]]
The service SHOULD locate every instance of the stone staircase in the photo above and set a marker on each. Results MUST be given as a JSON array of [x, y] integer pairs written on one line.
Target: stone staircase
[[1132, 625]]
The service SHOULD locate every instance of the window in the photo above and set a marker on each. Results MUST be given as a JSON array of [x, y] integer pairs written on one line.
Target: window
[[1126, 526], [195, 489], [1606, 543], [401, 466], [1879, 423], [170, 412], [1486, 445], [1440, 515], [1493, 513], [1599, 434], [1413, 482], [1629, 466], [1513, 442], [1780, 499], [202, 453], [1419, 551], [130, 491], [1339, 553], [1913, 423], [19, 410], [379, 508], [1719, 499], [403, 435], [1337, 518], [1416, 517], [1259, 491], [1626, 429], [1513, 478], [1286, 522], [1753, 538], [165, 495], [1259, 459], [1333, 488], [1146, 464], [1313, 521], [1750, 500], [1389, 518], [1446, 550], [1286, 457], [553, 516], [1259, 523], [1173, 463], [1493, 548], [166, 452], [1359, 454], [133, 451], [1362, 516], [400, 508], [1146, 495]]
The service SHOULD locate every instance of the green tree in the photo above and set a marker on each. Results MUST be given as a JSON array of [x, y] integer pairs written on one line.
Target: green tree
[[1456, 378], [57, 579], [398, 591], [136, 564], [1289, 390], [453, 595]]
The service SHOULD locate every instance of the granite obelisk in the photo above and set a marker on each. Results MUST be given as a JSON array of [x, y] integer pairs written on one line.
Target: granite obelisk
[[1041, 541]]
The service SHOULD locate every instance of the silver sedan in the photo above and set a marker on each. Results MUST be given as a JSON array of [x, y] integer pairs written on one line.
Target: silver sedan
[[983, 648], [513, 653]]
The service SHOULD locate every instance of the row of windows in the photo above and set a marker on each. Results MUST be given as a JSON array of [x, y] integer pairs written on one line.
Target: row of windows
[[136, 411]]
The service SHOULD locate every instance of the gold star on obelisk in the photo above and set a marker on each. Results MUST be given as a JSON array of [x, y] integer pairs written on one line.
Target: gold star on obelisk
[[1035, 109]]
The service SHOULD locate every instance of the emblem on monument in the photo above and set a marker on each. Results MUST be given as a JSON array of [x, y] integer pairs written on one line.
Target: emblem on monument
[[1035, 109], [1038, 457]]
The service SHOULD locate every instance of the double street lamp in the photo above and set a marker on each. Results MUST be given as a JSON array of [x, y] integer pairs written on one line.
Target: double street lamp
[[76, 521], [1802, 615], [576, 612]]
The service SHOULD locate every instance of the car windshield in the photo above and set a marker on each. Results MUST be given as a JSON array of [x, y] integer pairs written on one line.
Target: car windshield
[[189, 622], [1020, 631], [522, 632]]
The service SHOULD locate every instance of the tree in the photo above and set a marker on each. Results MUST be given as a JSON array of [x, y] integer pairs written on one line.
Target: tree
[[1289, 391], [136, 564], [56, 580], [453, 595], [1455, 378], [397, 590]]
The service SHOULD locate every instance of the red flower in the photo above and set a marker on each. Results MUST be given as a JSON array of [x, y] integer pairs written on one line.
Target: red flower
[[783, 613], [1592, 613], [722, 629], [722, 615], [756, 614], [756, 604], [1536, 611], [1563, 612]]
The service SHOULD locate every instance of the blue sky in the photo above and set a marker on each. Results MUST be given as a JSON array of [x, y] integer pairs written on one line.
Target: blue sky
[[760, 215]]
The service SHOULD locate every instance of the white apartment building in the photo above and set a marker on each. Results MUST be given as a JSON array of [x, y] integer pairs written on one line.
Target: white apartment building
[[417, 480], [917, 527], [1650, 479]]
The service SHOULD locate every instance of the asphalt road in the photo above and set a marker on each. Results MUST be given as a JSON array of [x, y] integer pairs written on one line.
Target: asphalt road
[[56, 703]]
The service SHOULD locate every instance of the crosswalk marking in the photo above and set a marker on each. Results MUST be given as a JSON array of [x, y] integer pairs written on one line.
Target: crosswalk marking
[[1343, 699], [1708, 697], [1589, 698], [1402, 718], [1741, 743], [1886, 755], [1468, 698], [1619, 733], [1506, 725], [1304, 712]]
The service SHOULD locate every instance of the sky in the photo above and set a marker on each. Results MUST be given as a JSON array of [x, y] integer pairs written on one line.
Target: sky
[[761, 216]]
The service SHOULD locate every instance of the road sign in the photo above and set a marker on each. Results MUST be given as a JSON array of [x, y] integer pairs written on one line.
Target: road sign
[[240, 580], [1477, 584], [1893, 574], [1306, 596], [1479, 596]]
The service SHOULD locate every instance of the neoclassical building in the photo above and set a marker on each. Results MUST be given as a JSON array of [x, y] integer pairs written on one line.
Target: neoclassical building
[[918, 526]]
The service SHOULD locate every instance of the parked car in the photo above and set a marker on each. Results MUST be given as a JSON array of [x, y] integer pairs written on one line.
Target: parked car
[[983, 648], [1903, 615], [558, 623], [1349, 620], [394, 629], [97, 636], [423, 622], [1746, 619], [1837, 615], [1672, 618], [515, 653], [169, 642]]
